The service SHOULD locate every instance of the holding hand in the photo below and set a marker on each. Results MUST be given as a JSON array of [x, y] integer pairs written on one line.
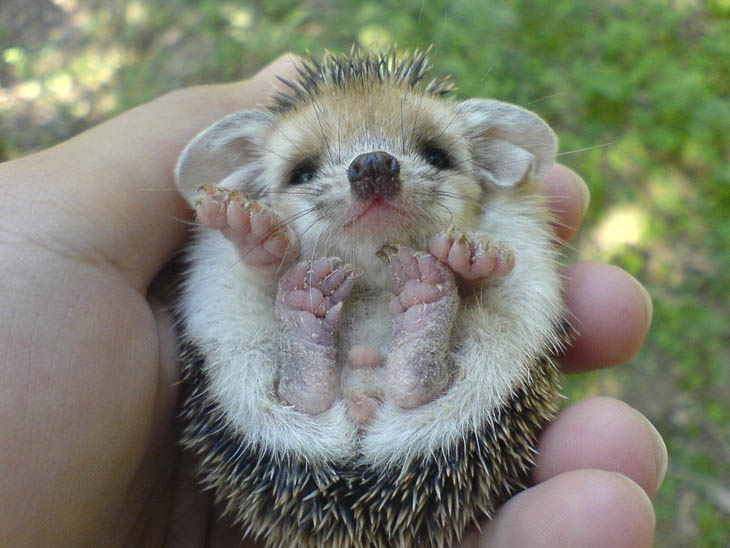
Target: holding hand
[[87, 375]]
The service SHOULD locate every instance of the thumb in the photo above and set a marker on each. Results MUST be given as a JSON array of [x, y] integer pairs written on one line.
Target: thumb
[[110, 191]]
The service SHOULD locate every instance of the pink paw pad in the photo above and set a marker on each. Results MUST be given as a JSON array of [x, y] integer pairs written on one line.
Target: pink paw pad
[[419, 282], [473, 257], [423, 308], [309, 309], [253, 228], [312, 294]]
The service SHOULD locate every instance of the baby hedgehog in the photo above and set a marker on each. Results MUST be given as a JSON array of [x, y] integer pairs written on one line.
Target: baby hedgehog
[[369, 306]]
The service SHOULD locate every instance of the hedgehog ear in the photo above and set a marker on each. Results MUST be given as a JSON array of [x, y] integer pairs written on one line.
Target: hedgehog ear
[[510, 144], [228, 154]]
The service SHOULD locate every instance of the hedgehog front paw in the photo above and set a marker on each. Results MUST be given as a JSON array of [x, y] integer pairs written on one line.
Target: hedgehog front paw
[[423, 308], [309, 310], [473, 257], [257, 233]]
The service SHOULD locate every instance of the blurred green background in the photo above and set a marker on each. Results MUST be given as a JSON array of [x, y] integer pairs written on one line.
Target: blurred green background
[[639, 94]]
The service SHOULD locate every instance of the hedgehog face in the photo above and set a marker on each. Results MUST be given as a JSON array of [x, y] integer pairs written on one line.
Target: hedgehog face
[[358, 168], [361, 152]]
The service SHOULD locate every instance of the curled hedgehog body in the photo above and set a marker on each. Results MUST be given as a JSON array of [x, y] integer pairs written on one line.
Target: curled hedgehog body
[[369, 307]]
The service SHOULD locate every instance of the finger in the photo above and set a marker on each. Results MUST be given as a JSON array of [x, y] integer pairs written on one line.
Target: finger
[[611, 312], [225, 533], [191, 509], [568, 198], [573, 510], [605, 434], [111, 189]]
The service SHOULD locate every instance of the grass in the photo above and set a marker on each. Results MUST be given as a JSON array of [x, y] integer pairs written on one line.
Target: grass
[[643, 86]]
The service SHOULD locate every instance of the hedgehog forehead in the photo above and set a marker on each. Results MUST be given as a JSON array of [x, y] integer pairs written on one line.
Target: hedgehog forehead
[[344, 122]]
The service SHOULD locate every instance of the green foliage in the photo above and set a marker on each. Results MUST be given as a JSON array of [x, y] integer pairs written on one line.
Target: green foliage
[[649, 80]]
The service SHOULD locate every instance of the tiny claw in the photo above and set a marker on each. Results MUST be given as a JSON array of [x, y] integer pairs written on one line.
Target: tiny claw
[[208, 189], [253, 206], [504, 253], [354, 271], [386, 252], [236, 196], [505, 262], [334, 314], [485, 246]]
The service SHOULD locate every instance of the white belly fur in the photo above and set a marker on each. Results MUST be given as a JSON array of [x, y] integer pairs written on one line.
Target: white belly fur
[[498, 335]]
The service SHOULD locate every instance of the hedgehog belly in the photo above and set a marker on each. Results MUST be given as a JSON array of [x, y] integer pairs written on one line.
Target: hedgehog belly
[[289, 502]]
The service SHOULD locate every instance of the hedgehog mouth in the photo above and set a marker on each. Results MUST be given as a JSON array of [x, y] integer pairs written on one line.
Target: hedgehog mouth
[[376, 214]]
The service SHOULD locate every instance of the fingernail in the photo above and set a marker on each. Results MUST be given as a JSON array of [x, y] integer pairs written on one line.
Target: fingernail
[[661, 457], [648, 305], [585, 193], [647, 501]]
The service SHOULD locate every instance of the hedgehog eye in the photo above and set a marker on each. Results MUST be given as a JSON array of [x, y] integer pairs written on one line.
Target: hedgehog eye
[[437, 156], [303, 173]]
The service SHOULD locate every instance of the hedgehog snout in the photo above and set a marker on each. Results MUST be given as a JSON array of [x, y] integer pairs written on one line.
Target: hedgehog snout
[[374, 173]]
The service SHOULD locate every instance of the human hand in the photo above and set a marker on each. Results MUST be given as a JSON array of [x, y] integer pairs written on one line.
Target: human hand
[[87, 378]]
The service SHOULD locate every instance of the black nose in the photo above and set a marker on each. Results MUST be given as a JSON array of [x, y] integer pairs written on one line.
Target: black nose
[[374, 173]]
